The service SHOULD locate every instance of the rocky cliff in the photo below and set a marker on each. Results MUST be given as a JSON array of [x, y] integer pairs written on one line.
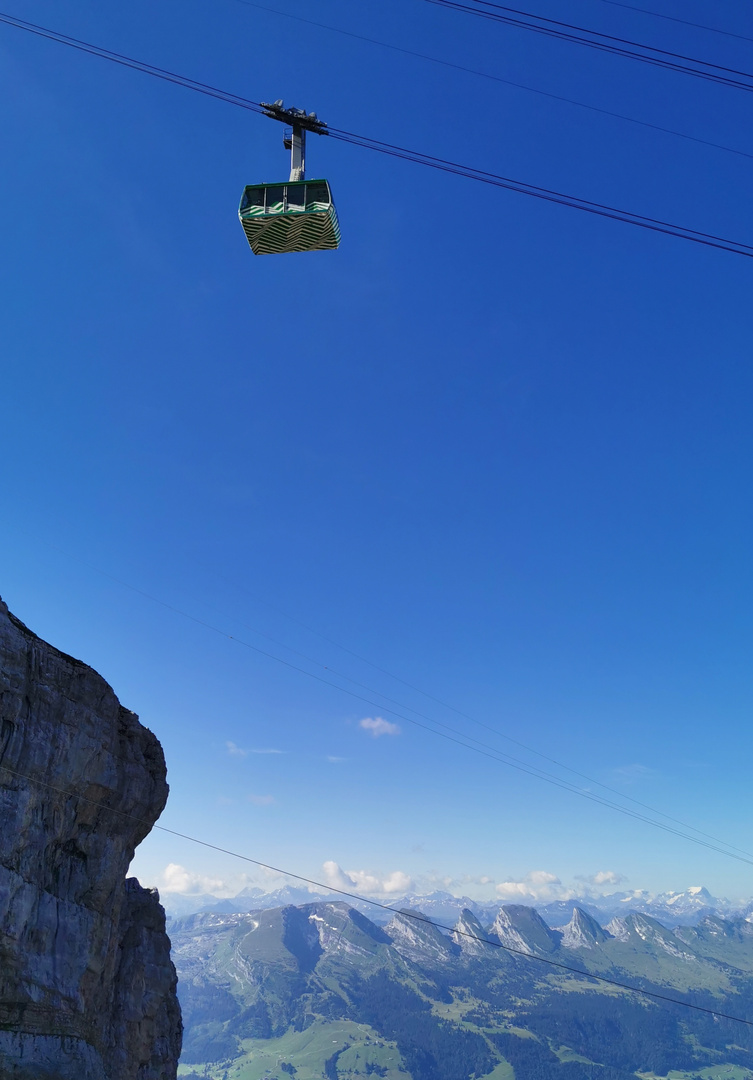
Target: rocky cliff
[[87, 987]]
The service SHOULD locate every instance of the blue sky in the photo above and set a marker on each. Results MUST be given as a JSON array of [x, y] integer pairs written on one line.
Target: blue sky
[[497, 448]]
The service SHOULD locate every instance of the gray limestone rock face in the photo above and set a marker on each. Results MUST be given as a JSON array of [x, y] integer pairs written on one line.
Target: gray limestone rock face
[[583, 931], [470, 936], [87, 987]]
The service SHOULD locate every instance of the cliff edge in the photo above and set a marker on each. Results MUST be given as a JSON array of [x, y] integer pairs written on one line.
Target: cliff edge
[[87, 987]]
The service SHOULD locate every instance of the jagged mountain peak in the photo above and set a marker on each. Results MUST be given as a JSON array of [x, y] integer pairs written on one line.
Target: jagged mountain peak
[[416, 936], [344, 931], [714, 929], [583, 931], [521, 928], [619, 929], [635, 923], [643, 931], [469, 934], [642, 922], [694, 898]]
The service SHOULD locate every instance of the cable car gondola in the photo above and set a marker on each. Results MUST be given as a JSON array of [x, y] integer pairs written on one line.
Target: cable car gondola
[[298, 215]]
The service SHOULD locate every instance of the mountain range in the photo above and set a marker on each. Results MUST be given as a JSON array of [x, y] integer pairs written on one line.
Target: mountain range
[[670, 908], [320, 990]]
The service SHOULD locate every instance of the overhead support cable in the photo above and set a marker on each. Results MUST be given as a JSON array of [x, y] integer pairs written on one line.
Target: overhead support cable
[[466, 716], [506, 759], [481, 176], [437, 701], [415, 916], [609, 43], [135, 65], [448, 733], [719, 845], [674, 19], [493, 78], [487, 727], [547, 194]]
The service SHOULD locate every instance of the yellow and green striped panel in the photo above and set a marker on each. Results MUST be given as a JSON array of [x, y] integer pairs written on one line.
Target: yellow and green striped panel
[[285, 232], [297, 216]]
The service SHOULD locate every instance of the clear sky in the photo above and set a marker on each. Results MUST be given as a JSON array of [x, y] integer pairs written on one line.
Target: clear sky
[[498, 448]]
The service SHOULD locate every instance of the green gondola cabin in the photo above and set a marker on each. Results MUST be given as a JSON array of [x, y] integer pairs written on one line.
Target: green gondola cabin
[[294, 216]]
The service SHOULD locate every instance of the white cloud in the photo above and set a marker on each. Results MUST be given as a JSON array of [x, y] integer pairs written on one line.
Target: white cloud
[[602, 877], [176, 879], [336, 877], [396, 882], [333, 760], [509, 889], [238, 751], [261, 800], [542, 886], [377, 726], [608, 877], [536, 885], [365, 881], [542, 877]]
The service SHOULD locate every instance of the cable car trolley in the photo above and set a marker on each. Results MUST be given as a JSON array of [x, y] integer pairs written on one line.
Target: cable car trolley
[[298, 215]]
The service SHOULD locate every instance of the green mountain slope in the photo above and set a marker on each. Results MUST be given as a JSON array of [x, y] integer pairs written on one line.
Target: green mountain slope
[[321, 991]]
